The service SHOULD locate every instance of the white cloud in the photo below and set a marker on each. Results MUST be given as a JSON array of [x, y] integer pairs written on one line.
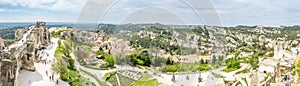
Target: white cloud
[[231, 12], [258, 12], [55, 5], [8, 10]]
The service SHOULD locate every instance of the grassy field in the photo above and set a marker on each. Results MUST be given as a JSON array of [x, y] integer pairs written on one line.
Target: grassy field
[[8, 41], [102, 83], [243, 71], [124, 81], [229, 69], [146, 80], [244, 79], [113, 80], [95, 67]]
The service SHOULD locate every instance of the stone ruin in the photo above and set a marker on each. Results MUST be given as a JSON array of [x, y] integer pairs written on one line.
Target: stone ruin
[[21, 57]]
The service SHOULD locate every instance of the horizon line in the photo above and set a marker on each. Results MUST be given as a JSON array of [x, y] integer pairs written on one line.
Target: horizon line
[[149, 23]]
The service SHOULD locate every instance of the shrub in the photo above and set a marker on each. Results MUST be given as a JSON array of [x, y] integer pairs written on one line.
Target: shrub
[[140, 60], [171, 68], [110, 60], [108, 75], [71, 62], [297, 66], [169, 61], [203, 67]]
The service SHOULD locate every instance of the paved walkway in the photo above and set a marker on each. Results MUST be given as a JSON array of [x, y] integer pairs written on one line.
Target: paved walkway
[[45, 68], [26, 78]]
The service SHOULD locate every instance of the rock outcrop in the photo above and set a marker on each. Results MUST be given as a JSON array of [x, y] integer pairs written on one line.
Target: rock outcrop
[[2, 46], [19, 33]]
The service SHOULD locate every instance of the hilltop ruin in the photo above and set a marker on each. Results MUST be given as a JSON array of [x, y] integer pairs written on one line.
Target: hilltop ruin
[[22, 54]]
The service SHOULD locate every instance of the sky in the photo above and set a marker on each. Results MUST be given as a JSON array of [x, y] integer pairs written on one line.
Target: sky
[[202, 12]]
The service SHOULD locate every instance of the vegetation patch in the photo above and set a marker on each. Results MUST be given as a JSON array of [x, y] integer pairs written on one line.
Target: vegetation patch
[[142, 59], [112, 78], [245, 80], [218, 75], [243, 71], [125, 81], [232, 64], [102, 83], [146, 80], [65, 66], [171, 68], [57, 33], [109, 59]]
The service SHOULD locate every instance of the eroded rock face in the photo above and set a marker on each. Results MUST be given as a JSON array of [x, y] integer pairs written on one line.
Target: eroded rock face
[[2, 46], [65, 35], [19, 34], [28, 62], [22, 56], [8, 68]]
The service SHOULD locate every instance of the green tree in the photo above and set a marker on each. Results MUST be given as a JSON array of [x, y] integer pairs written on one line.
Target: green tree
[[169, 61], [110, 60], [202, 61], [214, 59], [203, 67], [71, 62], [140, 60], [232, 63], [100, 51], [297, 65], [59, 66]]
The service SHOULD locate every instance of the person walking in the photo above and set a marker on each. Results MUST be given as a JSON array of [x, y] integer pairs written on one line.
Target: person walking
[[53, 76]]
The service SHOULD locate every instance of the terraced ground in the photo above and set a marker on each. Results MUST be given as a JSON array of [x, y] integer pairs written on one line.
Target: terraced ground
[[146, 80], [124, 81]]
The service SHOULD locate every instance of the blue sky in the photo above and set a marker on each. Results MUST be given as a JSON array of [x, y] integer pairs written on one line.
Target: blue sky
[[210, 12]]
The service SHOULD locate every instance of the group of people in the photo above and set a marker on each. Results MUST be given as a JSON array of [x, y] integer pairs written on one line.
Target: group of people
[[48, 61], [51, 77]]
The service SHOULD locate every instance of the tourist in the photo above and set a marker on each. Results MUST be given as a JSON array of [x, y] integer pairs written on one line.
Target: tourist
[[52, 77]]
